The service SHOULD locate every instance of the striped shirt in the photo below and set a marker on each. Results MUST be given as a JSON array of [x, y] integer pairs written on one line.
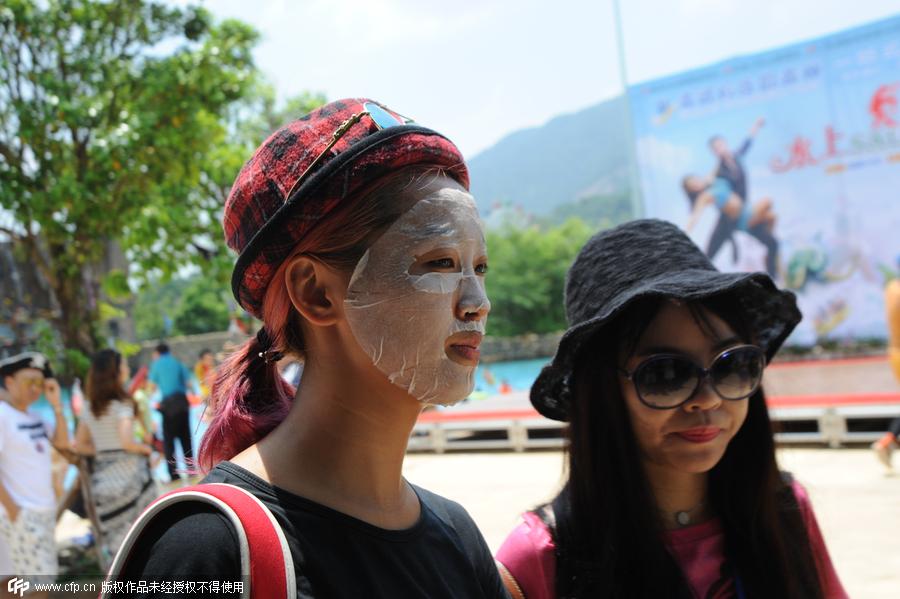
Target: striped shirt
[[105, 429]]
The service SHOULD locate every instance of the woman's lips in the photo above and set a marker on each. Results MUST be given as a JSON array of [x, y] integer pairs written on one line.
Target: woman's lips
[[700, 434], [463, 348]]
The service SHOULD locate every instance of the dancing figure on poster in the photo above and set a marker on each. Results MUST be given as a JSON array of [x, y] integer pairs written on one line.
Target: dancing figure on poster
[[726, 189], [757, 220]]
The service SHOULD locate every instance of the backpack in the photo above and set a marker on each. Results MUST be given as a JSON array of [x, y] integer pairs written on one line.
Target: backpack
[[259, 536]]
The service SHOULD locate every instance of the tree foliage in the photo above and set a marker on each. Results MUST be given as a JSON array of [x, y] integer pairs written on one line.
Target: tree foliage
[[602, 211], [154, 309], [203, 309], [182, 307], [114, 126], [527, 276]]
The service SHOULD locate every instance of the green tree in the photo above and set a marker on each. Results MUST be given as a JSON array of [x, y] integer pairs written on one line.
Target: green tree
[[194, 305], [203, 309], [527, 276], [153, 305], [114, 127]]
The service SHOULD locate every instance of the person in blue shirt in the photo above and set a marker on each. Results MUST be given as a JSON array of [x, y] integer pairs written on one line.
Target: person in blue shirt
[[171, 377]]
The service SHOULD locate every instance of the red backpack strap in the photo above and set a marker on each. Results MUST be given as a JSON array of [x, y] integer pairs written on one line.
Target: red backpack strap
[[260, 538]]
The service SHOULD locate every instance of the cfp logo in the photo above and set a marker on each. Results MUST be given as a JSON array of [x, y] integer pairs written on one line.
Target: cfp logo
[[17, 586]]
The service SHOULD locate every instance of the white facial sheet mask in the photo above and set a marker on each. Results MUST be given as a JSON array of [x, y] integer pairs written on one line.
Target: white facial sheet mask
[[403, 320]]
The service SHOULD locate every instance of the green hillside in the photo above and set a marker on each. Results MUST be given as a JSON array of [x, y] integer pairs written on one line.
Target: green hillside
[[579, 156]]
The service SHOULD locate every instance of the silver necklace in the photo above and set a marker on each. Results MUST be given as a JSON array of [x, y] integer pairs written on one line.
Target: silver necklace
[[686, 517]]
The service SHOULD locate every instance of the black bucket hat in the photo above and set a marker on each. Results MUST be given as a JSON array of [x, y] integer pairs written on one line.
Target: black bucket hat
[[650, 258]]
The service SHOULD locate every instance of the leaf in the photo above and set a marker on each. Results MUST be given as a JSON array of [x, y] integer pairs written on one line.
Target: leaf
[[115, 285]]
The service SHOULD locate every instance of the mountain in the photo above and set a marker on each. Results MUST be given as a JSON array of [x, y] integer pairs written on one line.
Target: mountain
[[570, 158]]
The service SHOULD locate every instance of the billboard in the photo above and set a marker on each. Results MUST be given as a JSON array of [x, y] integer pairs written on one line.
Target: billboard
[[787, 161]]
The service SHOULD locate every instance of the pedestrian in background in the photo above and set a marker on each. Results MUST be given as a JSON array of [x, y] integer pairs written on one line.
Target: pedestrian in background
[[886, 444], [121, 483], [171, 377], [28, 517], [204, 370]]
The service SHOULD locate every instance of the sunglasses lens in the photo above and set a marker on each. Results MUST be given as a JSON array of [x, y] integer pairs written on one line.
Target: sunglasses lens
[[665, 381], [736, 374], [382, 117], [33, 383]]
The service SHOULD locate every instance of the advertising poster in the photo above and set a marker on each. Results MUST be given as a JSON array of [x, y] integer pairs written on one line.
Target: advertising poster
[[787, 161]]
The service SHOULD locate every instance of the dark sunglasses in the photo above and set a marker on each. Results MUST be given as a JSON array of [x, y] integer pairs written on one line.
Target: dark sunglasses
[[379, 116], [667, 381]]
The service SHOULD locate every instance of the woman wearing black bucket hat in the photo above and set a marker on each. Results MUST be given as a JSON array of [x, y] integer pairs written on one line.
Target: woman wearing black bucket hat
[[673, 488], [362, 252]]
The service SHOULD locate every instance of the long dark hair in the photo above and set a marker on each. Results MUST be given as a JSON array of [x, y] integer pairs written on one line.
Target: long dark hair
[[103, 384], [608, 532]]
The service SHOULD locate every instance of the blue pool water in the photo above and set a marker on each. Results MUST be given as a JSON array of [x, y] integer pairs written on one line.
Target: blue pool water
[[520, 374]]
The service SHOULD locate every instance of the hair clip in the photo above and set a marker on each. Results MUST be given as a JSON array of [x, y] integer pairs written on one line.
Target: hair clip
[[267, 355], [270, 355]]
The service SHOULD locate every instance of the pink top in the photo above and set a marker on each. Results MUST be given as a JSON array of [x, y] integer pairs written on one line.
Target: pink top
[[528, 554]]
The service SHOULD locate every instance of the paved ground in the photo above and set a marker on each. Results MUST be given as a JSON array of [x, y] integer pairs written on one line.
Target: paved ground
[[858, 507]]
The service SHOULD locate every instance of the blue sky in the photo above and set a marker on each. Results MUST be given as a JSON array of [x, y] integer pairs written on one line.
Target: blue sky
[[477, 70]]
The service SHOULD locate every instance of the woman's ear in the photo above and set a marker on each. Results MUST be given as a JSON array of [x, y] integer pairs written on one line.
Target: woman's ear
[[316, 290]]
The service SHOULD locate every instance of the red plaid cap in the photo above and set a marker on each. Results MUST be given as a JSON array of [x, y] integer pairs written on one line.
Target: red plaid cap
[[263, 225]]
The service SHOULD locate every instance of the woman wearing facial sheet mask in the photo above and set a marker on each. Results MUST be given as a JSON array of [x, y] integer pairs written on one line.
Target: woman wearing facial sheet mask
[[673, 488], [362, 252]]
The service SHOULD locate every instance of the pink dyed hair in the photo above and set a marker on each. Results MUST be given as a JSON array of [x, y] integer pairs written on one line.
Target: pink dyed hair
[[249, 397]]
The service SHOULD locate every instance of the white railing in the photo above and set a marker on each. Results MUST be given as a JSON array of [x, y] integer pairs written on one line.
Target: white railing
[[831, 426]]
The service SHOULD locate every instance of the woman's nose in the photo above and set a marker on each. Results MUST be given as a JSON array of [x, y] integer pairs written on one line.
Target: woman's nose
[[705, 398], [473, 303]]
